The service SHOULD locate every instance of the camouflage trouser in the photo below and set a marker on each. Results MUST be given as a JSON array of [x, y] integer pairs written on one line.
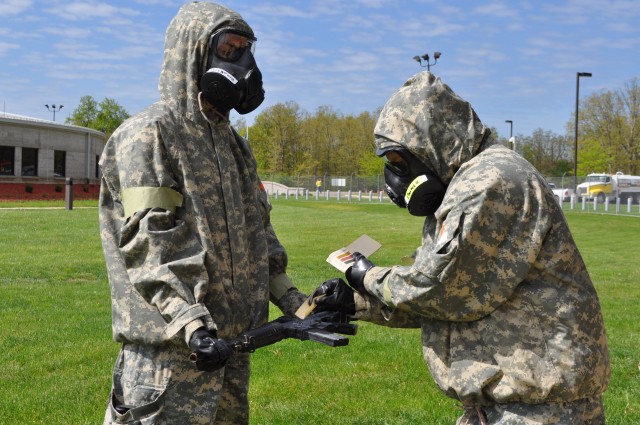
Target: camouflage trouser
[[586, 411], [159, 385]]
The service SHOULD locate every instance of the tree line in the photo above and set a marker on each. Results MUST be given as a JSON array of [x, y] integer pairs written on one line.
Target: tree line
[[287, 140], [290, 141]]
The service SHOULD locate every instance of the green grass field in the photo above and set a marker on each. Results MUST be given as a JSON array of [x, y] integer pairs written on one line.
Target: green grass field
[[56, 352]]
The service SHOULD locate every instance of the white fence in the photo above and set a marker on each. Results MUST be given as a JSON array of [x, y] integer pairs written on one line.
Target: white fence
[[280, 191], [277, 190], [610, 205]]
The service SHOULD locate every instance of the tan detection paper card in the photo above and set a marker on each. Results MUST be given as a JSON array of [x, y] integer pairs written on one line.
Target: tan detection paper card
[[341, 259], [307, 307]]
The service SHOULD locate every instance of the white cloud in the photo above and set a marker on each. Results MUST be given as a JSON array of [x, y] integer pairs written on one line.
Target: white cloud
[[497, 9], [508, 58], [280, 11], [5, 47], [482, 54], [67, 32], [375, 3], [14, 7], [168, 3], [78, 11]]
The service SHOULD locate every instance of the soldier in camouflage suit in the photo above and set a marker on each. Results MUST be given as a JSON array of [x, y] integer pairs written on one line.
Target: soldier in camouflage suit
[[511, 322], [188, 242]]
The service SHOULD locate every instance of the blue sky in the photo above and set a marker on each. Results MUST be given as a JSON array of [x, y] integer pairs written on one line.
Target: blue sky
[[513, 60]]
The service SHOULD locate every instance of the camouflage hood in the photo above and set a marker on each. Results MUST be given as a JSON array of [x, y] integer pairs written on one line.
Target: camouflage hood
[[426, 117], [186, 53]]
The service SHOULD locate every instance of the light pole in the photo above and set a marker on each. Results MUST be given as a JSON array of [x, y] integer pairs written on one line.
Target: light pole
[[425, 57], [53, 109], [512, 141], [575, 146]]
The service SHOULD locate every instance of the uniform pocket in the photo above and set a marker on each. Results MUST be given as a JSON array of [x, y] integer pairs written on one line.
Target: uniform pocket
[[147, 410], [521, 352], [143, 404]]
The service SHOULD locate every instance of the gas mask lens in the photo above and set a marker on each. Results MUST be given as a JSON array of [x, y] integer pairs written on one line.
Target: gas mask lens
[[232, 79], [397, 163], [230, 46]]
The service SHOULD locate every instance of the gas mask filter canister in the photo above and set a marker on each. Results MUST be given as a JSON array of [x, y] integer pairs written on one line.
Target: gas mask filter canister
[[412, 185]]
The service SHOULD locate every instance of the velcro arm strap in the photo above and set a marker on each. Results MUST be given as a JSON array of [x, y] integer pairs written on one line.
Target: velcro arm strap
[[280, 285], [141, 198]]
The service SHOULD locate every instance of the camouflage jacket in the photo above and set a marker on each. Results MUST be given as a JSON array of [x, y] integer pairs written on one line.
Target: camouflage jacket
[[184, 222], [506, 305]]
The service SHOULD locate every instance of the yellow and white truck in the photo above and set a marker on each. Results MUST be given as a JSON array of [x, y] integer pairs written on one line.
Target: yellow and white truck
[[600, 186]]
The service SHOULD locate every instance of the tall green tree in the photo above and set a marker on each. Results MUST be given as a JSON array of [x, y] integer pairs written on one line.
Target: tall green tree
[[275, 138], [549, 152], [631, 134], [360, 144], [105, 116], [110, 116], [323, 134], [85, 114], [609, 127]]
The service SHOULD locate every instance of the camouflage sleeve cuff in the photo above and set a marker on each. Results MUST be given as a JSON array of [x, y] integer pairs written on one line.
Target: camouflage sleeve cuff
[[374, 284], [191, 328], [290, 302], [370, 309], [279, 286], [193, 312], [363, 307]]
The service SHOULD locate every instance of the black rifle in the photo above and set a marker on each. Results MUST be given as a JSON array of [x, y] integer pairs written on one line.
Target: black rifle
[[319, 327]]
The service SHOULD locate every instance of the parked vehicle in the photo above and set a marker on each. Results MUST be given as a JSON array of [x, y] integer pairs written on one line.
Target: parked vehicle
[[563, 195], [600, 186]]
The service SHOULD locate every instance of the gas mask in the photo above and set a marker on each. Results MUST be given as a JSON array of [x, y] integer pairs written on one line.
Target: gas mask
[[410, 184], [232, 79]]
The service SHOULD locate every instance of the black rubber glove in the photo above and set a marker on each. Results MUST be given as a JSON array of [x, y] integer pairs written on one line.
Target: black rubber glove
[[207, 351], [355, 274], [338, 296]]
